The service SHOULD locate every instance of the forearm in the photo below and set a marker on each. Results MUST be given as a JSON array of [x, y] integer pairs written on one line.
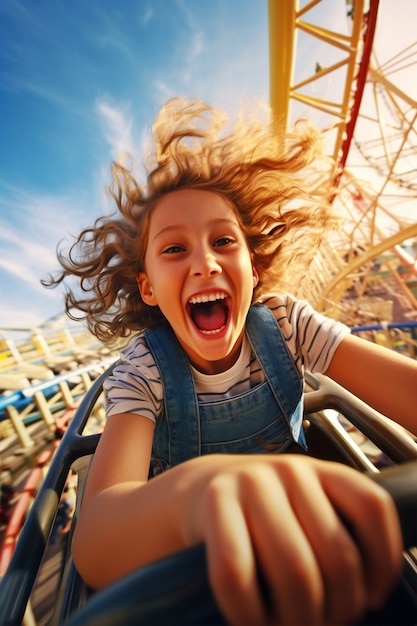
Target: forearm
[[380, 377], [252, 512], [131, 524], [117, 532]]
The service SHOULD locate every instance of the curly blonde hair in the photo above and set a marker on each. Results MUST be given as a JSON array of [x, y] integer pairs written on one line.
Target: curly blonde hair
[[277, 185]]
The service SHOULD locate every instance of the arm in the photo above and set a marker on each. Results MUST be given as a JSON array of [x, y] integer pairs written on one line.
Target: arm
[[382, 378], [269, 514]]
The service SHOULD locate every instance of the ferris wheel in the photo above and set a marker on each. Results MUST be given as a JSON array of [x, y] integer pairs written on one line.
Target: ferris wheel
[[332, 76]]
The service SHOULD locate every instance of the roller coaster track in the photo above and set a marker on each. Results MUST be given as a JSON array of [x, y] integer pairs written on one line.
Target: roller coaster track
[[369, 121]]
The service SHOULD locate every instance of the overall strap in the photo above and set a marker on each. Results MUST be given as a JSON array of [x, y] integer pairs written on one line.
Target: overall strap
[[181, 412], [278, 365], [181, 404]]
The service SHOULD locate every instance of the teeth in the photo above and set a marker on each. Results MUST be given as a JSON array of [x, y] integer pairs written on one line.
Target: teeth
[[208, 298], [212, 332]]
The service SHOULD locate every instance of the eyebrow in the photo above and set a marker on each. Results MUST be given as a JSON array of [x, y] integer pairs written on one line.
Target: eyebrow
[[174, 227]]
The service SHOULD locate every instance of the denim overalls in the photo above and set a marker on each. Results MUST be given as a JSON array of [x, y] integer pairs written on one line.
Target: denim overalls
[[265, 419]]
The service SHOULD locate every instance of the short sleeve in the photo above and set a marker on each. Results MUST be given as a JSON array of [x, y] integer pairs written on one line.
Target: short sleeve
[[134, 385], [312, 338]]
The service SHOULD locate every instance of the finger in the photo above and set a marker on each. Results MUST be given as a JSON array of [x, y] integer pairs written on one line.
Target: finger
[[231, 561], [285, 558], [339, 558], [377, 531]]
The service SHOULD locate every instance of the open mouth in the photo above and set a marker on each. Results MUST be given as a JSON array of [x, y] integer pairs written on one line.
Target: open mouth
[[209, 312]]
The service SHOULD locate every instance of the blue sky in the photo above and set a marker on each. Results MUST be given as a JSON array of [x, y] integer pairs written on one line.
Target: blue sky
[[80, 82]]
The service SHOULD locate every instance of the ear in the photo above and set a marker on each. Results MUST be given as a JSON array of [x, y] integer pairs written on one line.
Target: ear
[[255, 276], [145, 289]]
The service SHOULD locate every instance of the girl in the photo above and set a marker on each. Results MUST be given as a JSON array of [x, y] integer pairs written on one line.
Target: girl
[[201, 258]]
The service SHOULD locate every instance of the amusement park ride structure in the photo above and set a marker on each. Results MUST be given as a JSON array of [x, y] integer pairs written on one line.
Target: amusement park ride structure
[[369, 122]]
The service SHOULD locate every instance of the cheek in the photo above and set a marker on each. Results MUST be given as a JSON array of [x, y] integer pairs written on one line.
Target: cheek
[[164, 278]]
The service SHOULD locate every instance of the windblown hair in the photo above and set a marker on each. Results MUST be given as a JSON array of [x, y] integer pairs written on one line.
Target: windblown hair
[[279, 185]]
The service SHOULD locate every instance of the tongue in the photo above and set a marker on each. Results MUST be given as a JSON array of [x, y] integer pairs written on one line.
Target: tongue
[[209, 317]]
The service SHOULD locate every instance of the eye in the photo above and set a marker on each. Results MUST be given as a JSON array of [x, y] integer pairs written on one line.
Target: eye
[[174, 249], [223, 241]]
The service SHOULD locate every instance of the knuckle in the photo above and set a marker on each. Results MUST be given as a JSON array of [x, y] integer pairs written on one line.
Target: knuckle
[[228, 573], [380, 503], [348, 561]]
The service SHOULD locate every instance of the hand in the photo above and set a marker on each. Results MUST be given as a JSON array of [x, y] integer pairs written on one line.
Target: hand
[[295, 540]]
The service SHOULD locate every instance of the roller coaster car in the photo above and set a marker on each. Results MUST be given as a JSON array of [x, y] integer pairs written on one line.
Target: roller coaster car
[[176, 590]]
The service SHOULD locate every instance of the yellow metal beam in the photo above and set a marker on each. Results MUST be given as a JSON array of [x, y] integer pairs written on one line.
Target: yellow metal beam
[[365, 257], [285, 21], [282, 40]]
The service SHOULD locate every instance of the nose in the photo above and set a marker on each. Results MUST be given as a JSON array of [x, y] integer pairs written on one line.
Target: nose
[[204, 263]]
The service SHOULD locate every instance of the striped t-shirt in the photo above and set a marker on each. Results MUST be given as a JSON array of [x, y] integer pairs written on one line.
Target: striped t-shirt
[[135, 385]]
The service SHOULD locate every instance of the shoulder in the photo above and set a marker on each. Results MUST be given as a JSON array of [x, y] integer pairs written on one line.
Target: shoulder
[[137, 351], [311, 337], [136, 370], [291, 312], [288, 311], [136, 358]]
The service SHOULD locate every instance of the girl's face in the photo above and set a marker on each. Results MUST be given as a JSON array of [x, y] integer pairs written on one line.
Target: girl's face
[[200, 273]]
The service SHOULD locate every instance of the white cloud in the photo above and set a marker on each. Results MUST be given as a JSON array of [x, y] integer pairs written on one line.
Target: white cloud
[[18, 266], [31, 225], [117, 124], [37, 86], [20, 318], [223, 73], [147, 15], [164, 89]]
